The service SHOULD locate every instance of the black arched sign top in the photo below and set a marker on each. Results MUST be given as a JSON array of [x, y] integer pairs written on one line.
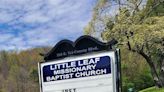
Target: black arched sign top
[[82, 45]]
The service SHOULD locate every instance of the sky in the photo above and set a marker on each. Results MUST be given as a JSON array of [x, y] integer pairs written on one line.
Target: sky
[[26, 24]]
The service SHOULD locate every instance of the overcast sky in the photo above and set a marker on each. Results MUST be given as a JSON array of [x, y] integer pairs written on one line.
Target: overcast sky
[[31, 23]]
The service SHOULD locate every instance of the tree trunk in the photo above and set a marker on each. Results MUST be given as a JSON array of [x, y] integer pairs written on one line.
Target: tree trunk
[[154, 74], [158, 78], [161, 76]]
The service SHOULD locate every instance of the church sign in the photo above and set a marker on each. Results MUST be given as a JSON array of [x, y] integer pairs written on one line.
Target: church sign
[[97, 71]]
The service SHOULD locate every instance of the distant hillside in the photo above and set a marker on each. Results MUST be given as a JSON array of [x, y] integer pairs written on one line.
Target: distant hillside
[[18, 70]]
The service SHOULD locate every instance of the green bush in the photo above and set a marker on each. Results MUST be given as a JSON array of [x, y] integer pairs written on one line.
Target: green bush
[[135, 72]]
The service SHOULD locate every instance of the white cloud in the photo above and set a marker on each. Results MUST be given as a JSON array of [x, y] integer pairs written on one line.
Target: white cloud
[[35, 17], [33, 23], [4, 16], [5, 37]]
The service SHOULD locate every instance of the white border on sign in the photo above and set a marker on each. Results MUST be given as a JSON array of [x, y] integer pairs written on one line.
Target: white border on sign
[[111, 54]]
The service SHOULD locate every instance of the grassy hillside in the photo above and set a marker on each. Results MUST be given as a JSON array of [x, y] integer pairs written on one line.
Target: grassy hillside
[[153, 89]]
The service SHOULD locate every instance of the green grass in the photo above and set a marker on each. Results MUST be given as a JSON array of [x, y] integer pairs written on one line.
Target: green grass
[[153, 89]]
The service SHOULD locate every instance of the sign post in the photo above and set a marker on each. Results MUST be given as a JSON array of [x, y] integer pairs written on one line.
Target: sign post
[[87, 71]]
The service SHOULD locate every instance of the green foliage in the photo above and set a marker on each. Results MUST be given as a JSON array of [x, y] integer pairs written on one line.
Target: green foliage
[[155, 7], [139, 30], [135, 72], [18, 70], [34, 75]]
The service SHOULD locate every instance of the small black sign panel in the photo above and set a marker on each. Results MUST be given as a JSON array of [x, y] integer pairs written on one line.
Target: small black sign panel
[[82, 45]]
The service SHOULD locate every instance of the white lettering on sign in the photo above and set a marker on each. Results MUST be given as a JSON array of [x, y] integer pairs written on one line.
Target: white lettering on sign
[[77, 75], [76, 69], [73, 64]]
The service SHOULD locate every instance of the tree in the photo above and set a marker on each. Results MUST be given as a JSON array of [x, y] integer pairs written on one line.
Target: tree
[[4, 68], [137, 30], [154, 8], [18, 70]]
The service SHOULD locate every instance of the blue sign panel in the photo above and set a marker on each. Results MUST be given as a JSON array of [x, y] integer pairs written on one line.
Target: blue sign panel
[[77, 69]]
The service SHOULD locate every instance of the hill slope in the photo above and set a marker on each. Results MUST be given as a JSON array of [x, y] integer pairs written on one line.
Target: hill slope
[[153, 89]]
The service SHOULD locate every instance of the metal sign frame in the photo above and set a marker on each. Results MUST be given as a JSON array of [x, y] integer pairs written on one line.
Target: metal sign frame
[[117, 67]]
